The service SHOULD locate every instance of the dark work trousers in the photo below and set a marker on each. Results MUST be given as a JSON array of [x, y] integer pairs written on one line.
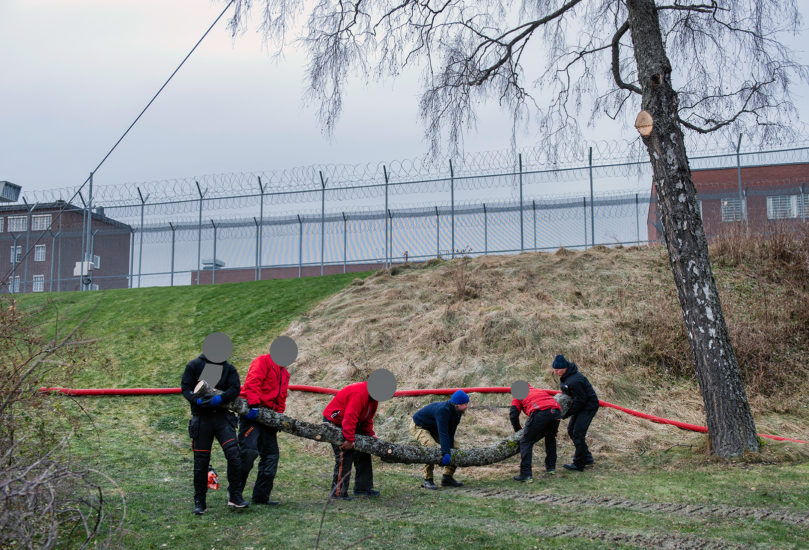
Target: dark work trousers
[[203, 429], [257, 440], [540, 424], [577, 430], [343, 460]]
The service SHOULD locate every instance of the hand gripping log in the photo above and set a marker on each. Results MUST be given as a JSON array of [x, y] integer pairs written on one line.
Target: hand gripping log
[[387, 451]]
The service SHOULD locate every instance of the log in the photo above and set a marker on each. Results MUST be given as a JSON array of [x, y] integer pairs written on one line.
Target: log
[[387, 451]]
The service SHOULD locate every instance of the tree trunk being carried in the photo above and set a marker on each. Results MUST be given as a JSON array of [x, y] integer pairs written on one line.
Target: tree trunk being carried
[[388, 452]]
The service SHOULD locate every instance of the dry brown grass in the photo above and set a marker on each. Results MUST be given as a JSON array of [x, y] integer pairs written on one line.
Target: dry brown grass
[[492, 320]]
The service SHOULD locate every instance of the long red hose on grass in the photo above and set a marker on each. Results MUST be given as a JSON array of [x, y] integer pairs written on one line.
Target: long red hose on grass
[[401, 393]]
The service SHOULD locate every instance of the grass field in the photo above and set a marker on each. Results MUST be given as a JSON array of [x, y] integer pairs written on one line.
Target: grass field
[[655, 487]]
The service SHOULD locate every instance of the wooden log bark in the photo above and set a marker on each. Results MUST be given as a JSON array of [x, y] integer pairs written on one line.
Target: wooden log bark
[[387, 451]]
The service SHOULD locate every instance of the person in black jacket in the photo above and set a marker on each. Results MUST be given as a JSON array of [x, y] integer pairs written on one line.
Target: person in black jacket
[[435, 425], [581, 411], [209, 421]]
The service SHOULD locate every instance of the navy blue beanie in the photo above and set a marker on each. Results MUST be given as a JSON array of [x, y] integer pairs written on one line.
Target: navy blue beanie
[[459, 398], [559, 362]]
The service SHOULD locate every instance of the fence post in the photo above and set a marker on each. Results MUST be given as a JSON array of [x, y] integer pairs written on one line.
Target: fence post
[[437, 234], [452, 206], [300, 246], [199, 231], [585, 223], [213, 267], [637, 217], [522, 240], [322, 221], [27, 239], [345, 242], [743, 210], [260, 231], [131, 256], [140, 253], [14, 265], [486, 228], [385, 173], [592, 207], [534, 203], [390, 220], [53, 254], [173, 230]]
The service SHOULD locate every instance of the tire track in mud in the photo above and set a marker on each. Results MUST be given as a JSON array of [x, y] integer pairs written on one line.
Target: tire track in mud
[[679, 509], [664, 541]]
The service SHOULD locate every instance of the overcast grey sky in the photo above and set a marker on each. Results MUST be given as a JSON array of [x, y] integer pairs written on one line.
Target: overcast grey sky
[[76, 73]]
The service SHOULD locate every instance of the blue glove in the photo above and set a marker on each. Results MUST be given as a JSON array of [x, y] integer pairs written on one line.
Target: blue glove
[[216, 400], [445, 460], [201, 403], [252, 414]]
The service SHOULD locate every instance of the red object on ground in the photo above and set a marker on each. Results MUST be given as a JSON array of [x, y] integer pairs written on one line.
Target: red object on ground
[[402, 393]]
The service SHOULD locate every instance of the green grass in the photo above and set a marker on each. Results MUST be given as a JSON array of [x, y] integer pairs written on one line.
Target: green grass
[[145, 338]]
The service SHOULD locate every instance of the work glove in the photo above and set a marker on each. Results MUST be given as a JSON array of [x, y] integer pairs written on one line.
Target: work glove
[[203, 402], [216, 400], [445, 460], [252, 414], [347, 445]]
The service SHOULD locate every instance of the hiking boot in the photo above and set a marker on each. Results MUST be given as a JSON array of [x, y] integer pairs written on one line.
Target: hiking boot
[[549, 473], [199, 506], [589, 463], [429, 484], [368, 493], [236, 501], [573, 467], [449, 481], [523, 478], [266, 503], [343, 497]]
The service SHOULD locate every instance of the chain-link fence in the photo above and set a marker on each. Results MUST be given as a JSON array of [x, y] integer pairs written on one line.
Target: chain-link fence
[[339, 218]]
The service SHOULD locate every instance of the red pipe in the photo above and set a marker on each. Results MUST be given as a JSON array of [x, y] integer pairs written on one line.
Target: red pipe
[[401, 393]]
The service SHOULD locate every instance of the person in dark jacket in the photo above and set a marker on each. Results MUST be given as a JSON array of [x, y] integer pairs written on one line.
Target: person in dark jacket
[[543, 414], [435, 425], [353, 410], [582, 409], [266, 385], [209, 421]]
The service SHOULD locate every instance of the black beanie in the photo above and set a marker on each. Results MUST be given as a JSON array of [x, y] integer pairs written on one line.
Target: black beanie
[[559, 362]]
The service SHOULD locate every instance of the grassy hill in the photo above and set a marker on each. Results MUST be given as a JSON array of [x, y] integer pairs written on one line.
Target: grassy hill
[[487, 321]]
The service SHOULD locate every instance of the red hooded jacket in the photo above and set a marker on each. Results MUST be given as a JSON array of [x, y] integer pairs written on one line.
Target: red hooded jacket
[[536, 400], [266, 384], [353, 410]]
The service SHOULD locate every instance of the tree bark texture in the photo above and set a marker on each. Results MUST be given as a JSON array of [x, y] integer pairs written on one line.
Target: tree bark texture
[[388, 452], [730, 421]]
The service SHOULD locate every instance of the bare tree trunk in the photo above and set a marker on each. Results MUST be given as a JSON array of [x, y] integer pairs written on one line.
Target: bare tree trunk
[[388, 452], [730, 421]]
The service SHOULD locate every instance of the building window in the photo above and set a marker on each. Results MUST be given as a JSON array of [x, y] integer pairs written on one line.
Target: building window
[[782, 207], [731, 210], [17, 223], [14, 287], [39, 253], [42, 222], [39, 283], [16, 254]]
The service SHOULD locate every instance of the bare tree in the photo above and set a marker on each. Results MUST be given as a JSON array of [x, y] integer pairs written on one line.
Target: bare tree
[[556, 60]]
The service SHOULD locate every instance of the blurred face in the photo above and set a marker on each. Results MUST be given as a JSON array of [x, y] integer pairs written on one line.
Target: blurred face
[[559, 372], [461, 408]]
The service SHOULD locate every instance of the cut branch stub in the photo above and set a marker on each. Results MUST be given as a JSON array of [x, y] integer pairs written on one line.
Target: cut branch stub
[[387, 451], [644, 123]]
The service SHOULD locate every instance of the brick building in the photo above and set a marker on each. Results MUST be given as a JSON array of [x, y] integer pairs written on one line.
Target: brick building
[[774, 194], [39, 248]]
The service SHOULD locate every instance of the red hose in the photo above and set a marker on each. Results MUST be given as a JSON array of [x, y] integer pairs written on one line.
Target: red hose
[[401, 393]]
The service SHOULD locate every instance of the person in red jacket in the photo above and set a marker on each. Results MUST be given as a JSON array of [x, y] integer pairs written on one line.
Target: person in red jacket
[[543, 414], [352, 409], [265, 386]]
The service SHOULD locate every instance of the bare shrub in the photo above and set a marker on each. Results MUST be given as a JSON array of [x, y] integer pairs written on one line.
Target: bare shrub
[[45, 501]]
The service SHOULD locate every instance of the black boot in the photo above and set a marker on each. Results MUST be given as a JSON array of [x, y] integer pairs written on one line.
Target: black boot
[[235, 499], [199, 506], [449, 481]]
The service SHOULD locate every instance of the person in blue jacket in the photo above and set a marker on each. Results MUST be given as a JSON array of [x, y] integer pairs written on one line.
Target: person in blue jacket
[[581, 412], [435, 425]]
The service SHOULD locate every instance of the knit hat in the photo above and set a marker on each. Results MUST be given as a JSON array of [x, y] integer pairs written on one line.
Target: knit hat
[[459, 398], [559, 362]]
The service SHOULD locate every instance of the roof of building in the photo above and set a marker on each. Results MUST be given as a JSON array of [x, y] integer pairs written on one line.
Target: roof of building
[[51, 207]]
